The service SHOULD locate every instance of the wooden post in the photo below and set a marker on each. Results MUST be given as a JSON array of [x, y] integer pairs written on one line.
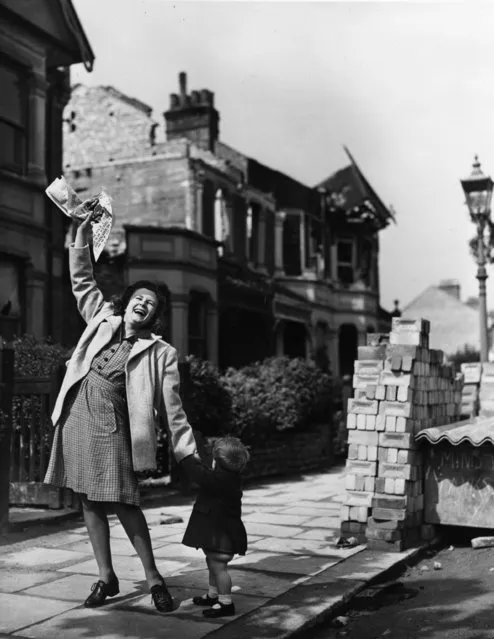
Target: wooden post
[[6, 391]]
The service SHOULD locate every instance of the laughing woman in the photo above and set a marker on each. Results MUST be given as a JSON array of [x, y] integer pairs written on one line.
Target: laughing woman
[[118, 379]]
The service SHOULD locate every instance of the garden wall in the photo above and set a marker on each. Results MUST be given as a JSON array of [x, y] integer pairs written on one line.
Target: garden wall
[[289, 452]]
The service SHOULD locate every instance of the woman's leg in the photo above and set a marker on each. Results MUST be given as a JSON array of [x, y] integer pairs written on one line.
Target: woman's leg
[[135, 525], [99, 533]]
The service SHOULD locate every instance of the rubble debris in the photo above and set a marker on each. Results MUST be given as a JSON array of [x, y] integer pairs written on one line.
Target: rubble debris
[[171, 520], [482, 542], [348, 542], [340, 622]]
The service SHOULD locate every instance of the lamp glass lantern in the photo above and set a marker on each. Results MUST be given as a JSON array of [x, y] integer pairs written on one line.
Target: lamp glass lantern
[[478, 193]]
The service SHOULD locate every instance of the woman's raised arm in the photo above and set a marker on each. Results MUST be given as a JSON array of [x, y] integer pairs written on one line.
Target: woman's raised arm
[[89, 298]]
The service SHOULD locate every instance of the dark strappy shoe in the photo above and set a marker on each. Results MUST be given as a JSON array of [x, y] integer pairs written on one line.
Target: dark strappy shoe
[[205, 601], [100, 591], [161, 598]]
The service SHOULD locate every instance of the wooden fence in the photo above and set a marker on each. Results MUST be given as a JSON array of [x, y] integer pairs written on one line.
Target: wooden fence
[[32, 435]]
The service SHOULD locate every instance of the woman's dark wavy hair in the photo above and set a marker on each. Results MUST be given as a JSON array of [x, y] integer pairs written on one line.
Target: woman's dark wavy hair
[[157, 324]]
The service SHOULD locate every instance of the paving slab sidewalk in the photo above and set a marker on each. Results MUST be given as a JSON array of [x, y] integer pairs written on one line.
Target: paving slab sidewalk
[[291, 576]]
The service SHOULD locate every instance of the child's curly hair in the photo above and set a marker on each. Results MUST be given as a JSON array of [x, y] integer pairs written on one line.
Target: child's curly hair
[[157, 322], [231, 453]]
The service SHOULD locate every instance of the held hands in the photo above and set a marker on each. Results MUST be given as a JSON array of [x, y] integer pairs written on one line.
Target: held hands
[[85, 214]]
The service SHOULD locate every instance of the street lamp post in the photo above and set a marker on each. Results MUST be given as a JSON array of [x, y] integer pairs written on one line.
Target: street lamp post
[[478, 193]]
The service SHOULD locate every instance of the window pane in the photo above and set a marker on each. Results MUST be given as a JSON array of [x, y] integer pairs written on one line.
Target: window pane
[[12, 148], [9, 288], [345, 274], [11, 104], [197, 316], [345, 251]]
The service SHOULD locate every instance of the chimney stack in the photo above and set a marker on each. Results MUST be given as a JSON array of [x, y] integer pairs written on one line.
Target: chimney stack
[[192, 116], [452, 287]]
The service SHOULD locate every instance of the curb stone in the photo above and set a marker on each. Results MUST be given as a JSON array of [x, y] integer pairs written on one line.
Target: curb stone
[[149, 497], [58, 516], [320, 597]]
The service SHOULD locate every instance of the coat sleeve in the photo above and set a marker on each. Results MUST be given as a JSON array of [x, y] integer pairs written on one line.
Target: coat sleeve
[[182, 439], [89, 298], [201, 474]]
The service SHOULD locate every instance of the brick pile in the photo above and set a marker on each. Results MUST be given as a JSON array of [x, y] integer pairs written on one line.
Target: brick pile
[[470, 395], [486, 390], [400, 388]]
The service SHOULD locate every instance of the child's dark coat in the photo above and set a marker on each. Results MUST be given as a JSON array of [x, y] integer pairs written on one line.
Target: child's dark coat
[[215, 523]]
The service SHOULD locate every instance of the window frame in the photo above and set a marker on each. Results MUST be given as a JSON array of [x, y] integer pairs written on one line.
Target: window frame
[[201, 339], [342, 265], [24, 76]]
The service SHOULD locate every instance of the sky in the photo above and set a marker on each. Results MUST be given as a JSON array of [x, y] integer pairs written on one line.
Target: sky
[[408, 87]]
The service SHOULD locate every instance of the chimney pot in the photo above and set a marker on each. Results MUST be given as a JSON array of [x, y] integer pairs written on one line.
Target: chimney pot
[[182, 81]]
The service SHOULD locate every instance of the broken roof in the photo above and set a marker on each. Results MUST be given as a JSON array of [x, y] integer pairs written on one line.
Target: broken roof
[[352, 190]]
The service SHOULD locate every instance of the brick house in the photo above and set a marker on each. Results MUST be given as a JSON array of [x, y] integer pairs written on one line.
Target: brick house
[[39, 41], [254, 262]]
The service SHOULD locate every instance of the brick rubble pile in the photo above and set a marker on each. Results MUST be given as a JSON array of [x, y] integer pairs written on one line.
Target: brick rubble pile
[[400, 388]]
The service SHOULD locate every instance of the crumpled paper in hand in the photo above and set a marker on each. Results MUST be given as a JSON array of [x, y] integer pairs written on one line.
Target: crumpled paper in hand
[[63, 195]]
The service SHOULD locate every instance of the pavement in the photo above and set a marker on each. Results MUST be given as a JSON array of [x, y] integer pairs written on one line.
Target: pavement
[[291, 577]]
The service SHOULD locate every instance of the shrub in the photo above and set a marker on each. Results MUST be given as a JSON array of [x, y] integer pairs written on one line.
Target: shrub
[[277, 394], [36, 359], [207, 401]]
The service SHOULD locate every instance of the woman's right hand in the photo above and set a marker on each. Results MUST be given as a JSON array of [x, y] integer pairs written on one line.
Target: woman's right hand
[[87, 213]]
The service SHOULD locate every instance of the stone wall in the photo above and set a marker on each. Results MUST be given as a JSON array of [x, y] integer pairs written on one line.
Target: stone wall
[[146, 191], [103, 125]]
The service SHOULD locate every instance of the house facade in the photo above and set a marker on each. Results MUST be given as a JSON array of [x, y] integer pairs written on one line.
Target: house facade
[[254, 263], [39, 41]]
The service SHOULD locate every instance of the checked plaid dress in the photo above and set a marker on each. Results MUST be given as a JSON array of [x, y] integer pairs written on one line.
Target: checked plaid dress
[[91, 452]]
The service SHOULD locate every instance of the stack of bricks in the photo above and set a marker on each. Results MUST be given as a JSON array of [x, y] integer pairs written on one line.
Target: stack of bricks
[[486, 390], [470, 395], [400, 388]]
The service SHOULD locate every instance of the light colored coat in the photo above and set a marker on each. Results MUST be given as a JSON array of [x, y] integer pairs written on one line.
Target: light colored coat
[[151, 374]]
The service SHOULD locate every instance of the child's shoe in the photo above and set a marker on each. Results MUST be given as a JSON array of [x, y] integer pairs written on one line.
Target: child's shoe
[[220, 610], [205, 600]]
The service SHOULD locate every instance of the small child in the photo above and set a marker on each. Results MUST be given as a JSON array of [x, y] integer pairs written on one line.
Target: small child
[[215, 524]]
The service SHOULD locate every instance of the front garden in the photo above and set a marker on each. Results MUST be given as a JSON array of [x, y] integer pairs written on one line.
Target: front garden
[[287, 411]]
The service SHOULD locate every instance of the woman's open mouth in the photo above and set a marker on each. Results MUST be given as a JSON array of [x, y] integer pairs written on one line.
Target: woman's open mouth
[[140, 311]]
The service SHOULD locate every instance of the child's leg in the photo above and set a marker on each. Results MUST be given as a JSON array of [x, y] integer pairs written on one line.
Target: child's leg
[[211, 597], [213, 588], [218, 568]]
